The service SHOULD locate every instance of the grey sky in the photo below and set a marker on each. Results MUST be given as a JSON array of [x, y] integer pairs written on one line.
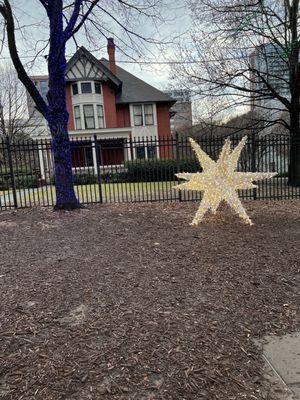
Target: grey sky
[[177, 23]]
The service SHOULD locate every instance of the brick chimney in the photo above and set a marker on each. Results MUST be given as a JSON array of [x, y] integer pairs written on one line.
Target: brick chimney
[[111, 49]]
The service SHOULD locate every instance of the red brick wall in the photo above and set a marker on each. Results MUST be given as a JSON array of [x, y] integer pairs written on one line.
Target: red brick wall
[[70, 108], [163, 120], [109, 99], [123, 116], [163, 129]]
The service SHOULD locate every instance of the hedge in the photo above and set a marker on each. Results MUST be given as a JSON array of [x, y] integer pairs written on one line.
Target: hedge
[[21, 182], [141, 171], [158, 170]]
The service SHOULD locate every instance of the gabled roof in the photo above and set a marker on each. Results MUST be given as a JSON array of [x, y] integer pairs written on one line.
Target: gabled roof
[[135, 90], [83, 54], [130, 89]]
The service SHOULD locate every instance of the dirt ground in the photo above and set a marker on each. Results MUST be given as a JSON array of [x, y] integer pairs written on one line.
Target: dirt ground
[[131, 302]]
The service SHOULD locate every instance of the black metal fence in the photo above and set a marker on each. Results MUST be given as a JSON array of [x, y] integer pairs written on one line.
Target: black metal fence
[[132, 170]]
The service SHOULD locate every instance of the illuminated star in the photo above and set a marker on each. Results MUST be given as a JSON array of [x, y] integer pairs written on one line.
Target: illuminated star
[[220, 181]]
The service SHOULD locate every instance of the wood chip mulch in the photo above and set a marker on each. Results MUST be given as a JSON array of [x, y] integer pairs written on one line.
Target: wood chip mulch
[[131, 302]]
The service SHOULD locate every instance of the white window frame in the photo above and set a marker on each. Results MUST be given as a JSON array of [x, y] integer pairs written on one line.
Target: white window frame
[[93, 107], [138, 115], [92, 87], [72, 92], [142, 105], [97, 116], [82, 117], [144, 113], [146, 152], [93, 83]]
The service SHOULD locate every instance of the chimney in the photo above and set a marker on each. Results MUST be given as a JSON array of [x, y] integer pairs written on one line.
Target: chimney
[[111, 48]]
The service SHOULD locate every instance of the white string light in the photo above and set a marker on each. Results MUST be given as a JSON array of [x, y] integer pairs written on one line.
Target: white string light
[[220, 181]]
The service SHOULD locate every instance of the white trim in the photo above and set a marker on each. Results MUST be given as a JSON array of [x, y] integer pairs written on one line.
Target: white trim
[[143, 111], [94, 157], [83, 127], [86, 94], [106, 133]]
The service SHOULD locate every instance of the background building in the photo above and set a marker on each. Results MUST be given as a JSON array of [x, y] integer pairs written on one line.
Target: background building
[[271, 61], [181, 111]]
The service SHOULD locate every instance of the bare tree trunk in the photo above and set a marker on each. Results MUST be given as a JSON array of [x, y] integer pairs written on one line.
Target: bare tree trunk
[[58, 116], [294, 164]]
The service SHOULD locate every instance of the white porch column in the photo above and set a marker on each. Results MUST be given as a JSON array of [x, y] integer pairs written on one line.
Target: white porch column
[[128, 155], [94, 156], [42, 165]]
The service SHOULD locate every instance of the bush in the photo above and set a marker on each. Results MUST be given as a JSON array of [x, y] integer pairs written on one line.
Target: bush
[[139, 171], [158, 169], [26, 181], [21, 181], [106, 177], [114, 177], [5, 182], [85, 179]]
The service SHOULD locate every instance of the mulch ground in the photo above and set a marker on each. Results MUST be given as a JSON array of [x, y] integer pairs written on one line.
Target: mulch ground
[[131, 302]]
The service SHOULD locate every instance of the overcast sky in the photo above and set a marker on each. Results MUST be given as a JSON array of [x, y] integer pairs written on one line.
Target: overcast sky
[[177, 22]]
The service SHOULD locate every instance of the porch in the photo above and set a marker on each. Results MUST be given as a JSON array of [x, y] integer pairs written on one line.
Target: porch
[[99, 154]]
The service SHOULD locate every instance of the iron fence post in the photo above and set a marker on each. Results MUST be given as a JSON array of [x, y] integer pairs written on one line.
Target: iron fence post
[[253, 162], [11, 172], [177, 160], [99, 180]]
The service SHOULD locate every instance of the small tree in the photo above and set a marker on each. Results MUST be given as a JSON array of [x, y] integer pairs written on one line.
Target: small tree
[[66, 18], [15, 123], [247, 53]]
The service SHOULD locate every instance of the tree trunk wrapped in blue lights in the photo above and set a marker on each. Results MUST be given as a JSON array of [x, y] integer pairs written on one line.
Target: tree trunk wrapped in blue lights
[[55, 112], [66, 18], [57, 116]]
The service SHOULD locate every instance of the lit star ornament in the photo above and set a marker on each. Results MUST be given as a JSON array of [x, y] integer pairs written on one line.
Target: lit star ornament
[[220, 181]]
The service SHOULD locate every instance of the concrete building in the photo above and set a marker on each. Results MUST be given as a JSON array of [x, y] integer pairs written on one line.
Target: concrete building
[[181, 111]]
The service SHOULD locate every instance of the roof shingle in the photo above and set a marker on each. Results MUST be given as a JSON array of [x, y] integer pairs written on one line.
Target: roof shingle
[[135, 90]]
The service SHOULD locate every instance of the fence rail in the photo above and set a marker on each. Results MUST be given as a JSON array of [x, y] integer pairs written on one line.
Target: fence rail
[[131, 170]]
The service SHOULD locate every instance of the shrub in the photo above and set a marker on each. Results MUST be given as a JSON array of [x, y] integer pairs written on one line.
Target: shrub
[[22, 181], [85, 179], [106, 177], [5, 182], [114, 177], [158, 169], [26, 181]]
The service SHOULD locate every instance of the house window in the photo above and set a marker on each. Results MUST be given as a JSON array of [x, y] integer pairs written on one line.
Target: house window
[[44, 89], [77, 117], [100, 116], [143, 114], [140, 153], [75, 88], [98, 87], [89, 118], [151, 151], [86, 87], [148, 110], [138, 115]]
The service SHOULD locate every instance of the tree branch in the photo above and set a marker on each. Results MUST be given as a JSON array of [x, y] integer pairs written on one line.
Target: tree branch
[[6, 11]]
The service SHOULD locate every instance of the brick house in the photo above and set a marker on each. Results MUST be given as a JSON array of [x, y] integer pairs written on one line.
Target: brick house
[[107, 102]]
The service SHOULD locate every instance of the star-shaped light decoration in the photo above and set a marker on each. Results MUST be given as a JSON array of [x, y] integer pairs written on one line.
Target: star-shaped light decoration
[[220, 181]]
